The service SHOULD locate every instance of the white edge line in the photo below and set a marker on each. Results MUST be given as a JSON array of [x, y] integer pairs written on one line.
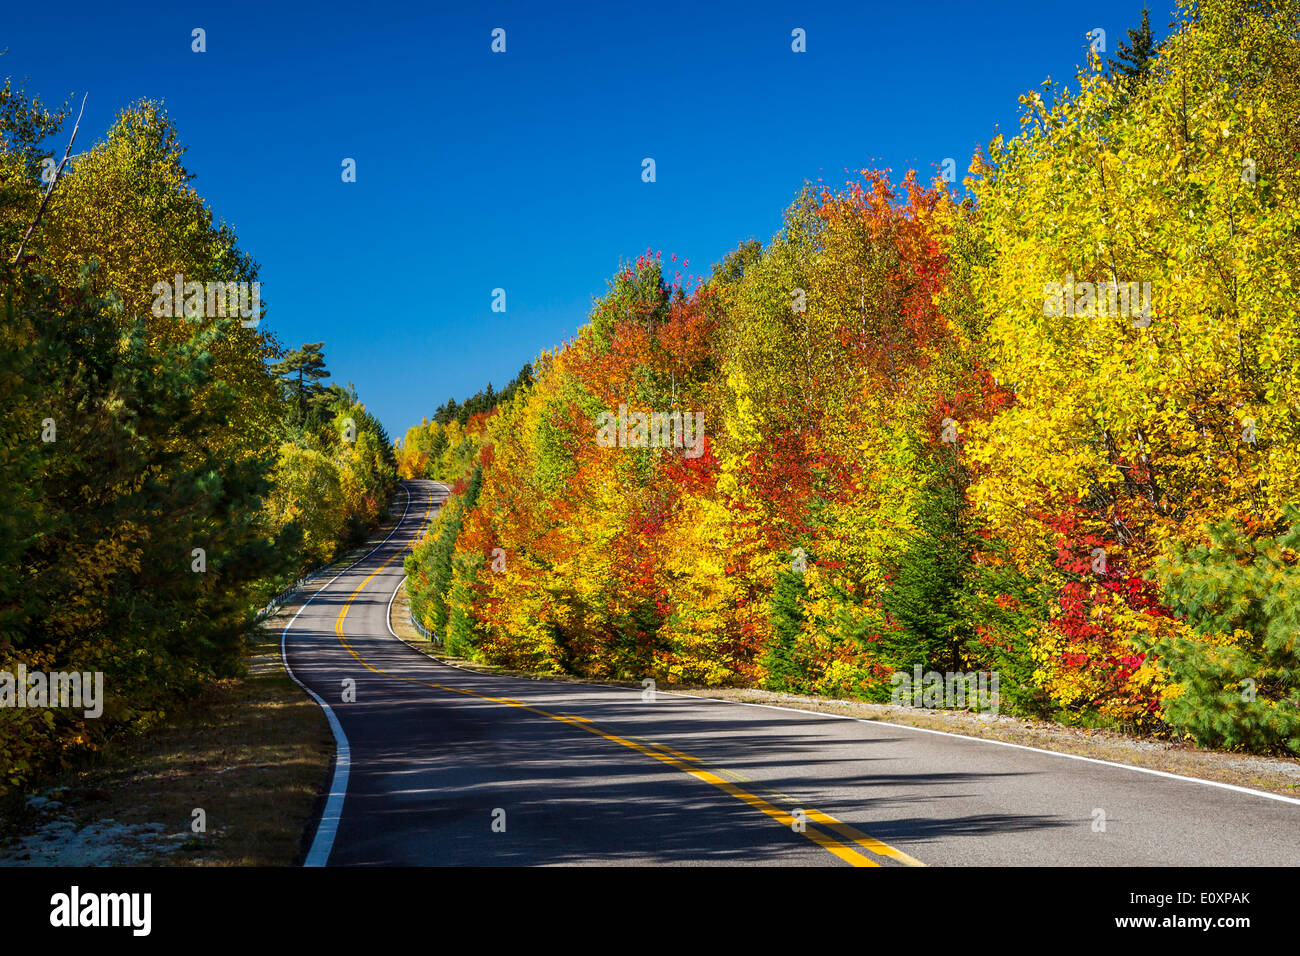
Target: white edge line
[[388, 616], [886, 723], [883, 723], [388, 619], [1000, 743], [323, 841]]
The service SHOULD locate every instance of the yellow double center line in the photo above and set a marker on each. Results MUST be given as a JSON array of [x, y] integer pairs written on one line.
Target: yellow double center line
[[673, 758]]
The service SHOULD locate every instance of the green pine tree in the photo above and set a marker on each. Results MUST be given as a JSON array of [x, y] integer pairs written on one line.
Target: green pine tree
[[784, 672], [302, 370], [1247, 694], [1132, 60], [925, 597]]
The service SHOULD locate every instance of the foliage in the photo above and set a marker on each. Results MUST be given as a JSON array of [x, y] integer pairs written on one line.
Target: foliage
[[916, 453], [1237, 678], [155, 486]]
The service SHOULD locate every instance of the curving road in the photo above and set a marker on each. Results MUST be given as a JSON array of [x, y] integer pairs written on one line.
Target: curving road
[[438, 765]]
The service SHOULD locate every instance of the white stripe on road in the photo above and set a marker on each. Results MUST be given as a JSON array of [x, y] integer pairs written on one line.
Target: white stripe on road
[[388, 615], [1000, 743], [323, 842], [884, 723]]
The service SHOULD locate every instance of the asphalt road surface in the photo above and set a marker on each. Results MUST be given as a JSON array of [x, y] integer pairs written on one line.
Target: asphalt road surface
[[439, 765]]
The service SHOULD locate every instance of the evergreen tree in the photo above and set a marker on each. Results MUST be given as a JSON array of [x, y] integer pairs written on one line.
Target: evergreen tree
[[482, 401], [446, 412], [125, 471], [436, 555], [1240, 687], [302, 370], [929, 575], [522, 380], [784, 673], [1132, 60], [438, 446]]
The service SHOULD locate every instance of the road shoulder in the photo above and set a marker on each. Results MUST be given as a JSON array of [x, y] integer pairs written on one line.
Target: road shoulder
[[1278, 775]]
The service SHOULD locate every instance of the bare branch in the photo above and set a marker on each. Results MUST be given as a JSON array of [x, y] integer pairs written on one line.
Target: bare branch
[[49, 192]]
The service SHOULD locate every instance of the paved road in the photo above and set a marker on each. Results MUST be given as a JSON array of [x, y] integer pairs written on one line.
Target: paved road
[[447, 766]]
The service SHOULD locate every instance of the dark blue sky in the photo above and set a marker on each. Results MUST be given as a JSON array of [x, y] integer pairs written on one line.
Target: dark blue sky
[[522, 170]]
